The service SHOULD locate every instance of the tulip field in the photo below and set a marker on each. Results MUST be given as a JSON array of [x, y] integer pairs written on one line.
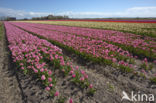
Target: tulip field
[[145, 29], [98, 60]]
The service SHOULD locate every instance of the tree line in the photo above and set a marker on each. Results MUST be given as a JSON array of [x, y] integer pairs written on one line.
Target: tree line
[[49, 17]]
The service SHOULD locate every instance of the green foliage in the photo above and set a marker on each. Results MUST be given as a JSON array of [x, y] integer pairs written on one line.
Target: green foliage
[[52, 92], [143, 75], [1, 30], [136, 51], [146, 66], [153, 80], [110, 86], [25, 71], [61, 100], [125, 68], [150, 66], [92, 91], [132, 61]]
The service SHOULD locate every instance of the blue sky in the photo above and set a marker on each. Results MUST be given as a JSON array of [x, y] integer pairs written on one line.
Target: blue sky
[[78, 8]]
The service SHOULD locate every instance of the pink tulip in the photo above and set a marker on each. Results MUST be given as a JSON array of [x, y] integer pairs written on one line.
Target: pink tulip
[[22, 68], [49, 72], [82, 72], [82, 78], [36, 71], [73, 75], [21, 64], [71, 72], [77, 67], [43, 77], [114, 60], [46, 69], [86, 76], [50, 85], [56, 93], [47, 88], [70, 100], [145, 60], [42, 70], [90, 86], [49, 79]]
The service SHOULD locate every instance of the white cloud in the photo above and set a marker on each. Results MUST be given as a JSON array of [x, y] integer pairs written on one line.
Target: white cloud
[[20, 13], [130, 12]]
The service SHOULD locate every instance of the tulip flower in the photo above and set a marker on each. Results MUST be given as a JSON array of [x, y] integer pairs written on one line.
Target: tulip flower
[[43, 77]]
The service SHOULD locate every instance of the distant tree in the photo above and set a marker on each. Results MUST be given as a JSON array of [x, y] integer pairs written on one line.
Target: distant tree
[[10, 18], [3, 18], [50, 17], [66, 17], [7, 18], [25, 19]]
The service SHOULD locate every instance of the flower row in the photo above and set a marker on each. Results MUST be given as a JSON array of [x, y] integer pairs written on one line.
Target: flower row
[[144, 29], [97, 50], [41, 58], [130, 42]]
